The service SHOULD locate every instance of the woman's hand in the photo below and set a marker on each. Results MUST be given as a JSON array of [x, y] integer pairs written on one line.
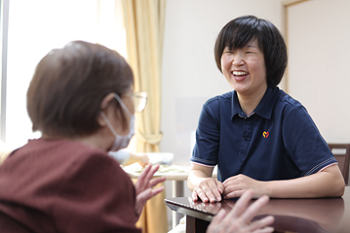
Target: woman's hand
[[236, 185], [238, 220], [208, 190], [144, 186], [143, 159]]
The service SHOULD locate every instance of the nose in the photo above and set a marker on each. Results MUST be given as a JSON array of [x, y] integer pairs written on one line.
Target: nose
[[237, 60]]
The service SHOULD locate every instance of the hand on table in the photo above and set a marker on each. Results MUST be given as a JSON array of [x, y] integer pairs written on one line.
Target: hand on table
[[238, 220], [144, 185], [208, 190], [143, 160], [236, 185]]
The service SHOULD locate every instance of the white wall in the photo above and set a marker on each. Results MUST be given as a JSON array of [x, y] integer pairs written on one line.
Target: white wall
[[319, 47]]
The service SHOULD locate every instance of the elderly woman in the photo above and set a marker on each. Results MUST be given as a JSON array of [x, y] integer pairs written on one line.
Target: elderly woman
[[81, 99]]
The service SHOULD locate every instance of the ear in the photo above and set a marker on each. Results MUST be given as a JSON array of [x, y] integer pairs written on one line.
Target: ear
[[105, 102], [104, 108]]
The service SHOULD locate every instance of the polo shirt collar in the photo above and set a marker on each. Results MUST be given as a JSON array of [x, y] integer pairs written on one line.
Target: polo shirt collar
[[264, 108]]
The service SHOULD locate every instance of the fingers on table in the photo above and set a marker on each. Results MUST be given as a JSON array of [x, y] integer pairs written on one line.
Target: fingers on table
[[207, 193], [194, 195], [220, 186], [234, 194]]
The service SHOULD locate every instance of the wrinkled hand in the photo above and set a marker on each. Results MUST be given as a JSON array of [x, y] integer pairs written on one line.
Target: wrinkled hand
[[236, 185], [238, 220], [144, 185], [208, 190]]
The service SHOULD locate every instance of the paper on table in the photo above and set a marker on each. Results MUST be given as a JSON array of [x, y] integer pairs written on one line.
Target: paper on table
[[137, 168]]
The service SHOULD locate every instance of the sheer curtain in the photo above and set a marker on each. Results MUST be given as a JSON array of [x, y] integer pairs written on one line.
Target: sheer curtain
[[144, 23]]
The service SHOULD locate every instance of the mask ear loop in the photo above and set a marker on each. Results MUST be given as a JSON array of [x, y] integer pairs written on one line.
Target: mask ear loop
[[122, 104], [108, 123]]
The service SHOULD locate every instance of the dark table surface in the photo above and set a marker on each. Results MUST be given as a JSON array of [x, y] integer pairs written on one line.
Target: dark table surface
[[291, 215]]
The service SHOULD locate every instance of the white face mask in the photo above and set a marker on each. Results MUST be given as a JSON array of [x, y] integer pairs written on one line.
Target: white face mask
[[121, 141]]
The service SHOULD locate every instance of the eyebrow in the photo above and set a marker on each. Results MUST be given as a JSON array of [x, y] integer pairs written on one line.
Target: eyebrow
[[251, 46]]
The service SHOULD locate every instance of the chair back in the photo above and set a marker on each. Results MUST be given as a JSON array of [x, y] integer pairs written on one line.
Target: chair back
[[341, 153]]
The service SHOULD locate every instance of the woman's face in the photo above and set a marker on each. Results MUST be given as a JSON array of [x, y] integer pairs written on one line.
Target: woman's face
[[244, 69]]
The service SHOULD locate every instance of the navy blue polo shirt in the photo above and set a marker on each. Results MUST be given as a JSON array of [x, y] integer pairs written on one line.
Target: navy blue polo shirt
[[278, 141]]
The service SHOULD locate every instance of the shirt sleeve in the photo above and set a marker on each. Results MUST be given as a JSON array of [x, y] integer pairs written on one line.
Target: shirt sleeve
[[304, 143], [96, 196], [206, 149], [122, 156]]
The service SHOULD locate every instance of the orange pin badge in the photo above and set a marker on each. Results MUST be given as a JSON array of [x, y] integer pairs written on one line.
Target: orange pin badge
[[265, 134]]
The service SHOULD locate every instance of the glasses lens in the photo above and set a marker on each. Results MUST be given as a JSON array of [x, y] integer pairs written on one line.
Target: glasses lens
[[140, 99]]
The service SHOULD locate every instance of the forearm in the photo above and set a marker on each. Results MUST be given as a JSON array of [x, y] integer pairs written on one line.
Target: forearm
[[197, 174], [328, 183], [142, 159], [132, 159], [194, 178]]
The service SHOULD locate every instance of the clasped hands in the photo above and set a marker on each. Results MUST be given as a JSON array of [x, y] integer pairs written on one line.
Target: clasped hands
[[211, 190]]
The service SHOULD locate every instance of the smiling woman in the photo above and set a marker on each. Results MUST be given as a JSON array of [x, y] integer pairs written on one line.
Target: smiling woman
[[242, 64], [260, 137]]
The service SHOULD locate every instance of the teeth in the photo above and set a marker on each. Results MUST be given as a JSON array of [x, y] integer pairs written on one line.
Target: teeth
[[238, 73]]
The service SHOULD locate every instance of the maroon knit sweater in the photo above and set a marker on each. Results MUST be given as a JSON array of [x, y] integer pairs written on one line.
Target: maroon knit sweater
[[65, 186]]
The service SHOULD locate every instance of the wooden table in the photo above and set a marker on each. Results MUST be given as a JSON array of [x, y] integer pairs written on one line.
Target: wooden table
[[319, 215]]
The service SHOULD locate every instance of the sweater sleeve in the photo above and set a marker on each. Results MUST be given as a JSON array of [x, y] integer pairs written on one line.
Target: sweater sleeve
[[96, 195]]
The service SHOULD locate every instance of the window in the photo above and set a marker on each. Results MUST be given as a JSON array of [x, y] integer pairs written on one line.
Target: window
[[4, 10], [36, 27]]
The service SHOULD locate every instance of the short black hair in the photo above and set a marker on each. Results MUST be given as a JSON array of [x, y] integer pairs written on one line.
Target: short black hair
[[238, 32]]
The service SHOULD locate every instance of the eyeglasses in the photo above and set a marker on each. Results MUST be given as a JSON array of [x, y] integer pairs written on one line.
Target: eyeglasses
[[140, 100]]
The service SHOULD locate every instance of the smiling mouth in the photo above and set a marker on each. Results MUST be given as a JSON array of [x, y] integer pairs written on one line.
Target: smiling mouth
[[239, 73]]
